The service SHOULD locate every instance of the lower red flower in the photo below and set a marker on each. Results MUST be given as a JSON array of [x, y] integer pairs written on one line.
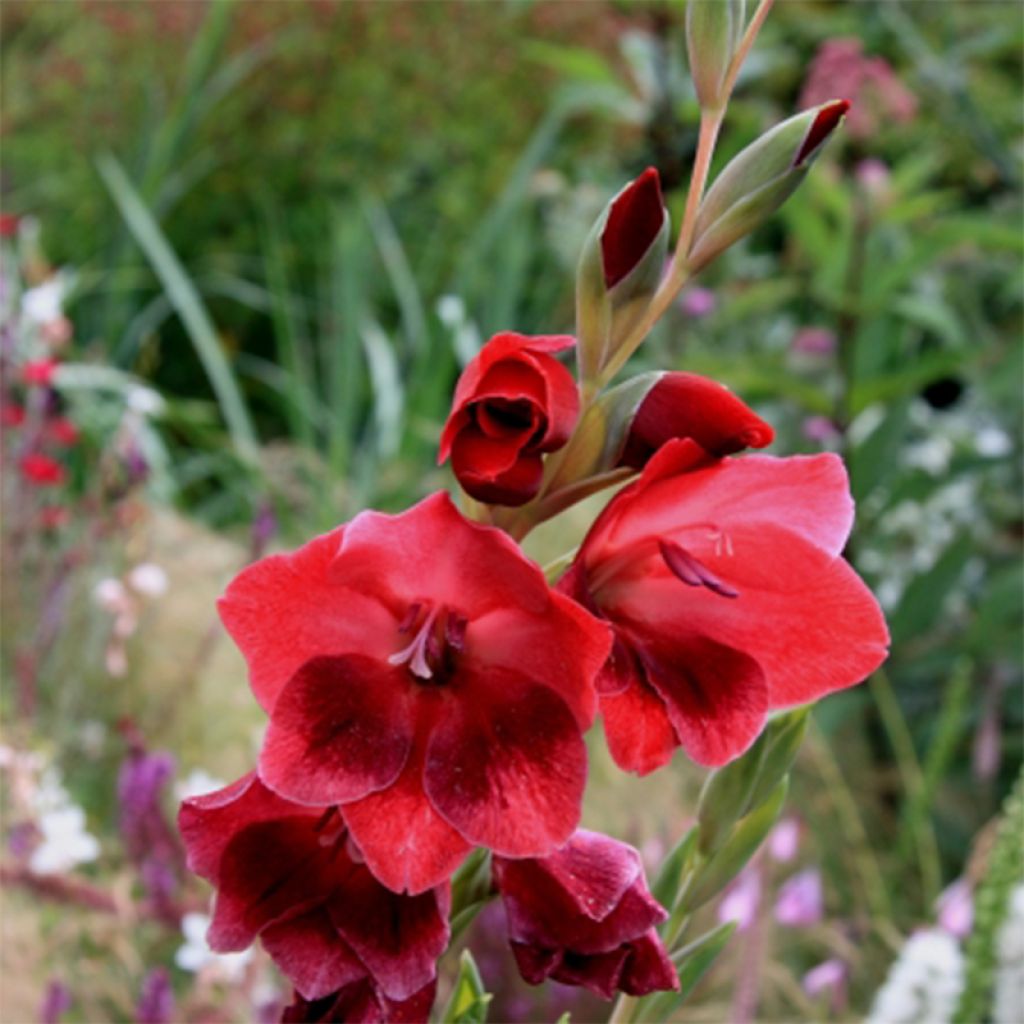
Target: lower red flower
[[363, 1003], [583, 916], [728, 594], [41, 470], [290, 875]]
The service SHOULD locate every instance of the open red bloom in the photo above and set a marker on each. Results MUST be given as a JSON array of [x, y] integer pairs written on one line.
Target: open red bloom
[[683, 405], [288, 874], [419, 671], [41, 470], [584, 916], [728, 595], [513, 403], [61, 430]]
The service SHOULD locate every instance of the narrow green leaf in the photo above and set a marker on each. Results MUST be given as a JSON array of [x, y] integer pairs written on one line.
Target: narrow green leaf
[[469, 998], [784, 735], [670, 875], [726, 794]]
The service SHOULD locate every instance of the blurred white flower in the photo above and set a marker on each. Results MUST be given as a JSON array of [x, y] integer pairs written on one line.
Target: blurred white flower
[[66, 843], [109, 594], [45, 302], [992, 442], [149, 579], [196, 783], [451, 311], [924, 985], [1008, 994], [144, 401], [195, 955]]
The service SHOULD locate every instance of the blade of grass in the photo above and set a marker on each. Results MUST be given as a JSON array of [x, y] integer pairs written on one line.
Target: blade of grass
[[386, 382], [186, 301]]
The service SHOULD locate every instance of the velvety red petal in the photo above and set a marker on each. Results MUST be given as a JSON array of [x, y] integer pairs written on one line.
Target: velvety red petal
[[637, 727], [598, 972], [399, 938], [414, 1010], [514, 379], [433, 553], [506, 765], [716, 696], [535, 963], [688, 405], [270, 871], [285, 609], [648, 968], [804, 616], [341, 728], [478, 455], [514, 487], [405, 842], [562, 646], [311, 953], [634, 221], [562, 405], [207, 823]]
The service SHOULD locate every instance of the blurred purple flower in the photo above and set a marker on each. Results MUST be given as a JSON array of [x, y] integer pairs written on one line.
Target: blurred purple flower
[[56, 1002], [801, 900], [156, 998], [741, 900], [873, 176], [22, 839], [827, 977], [813, 341], [264, 526], [698, 302], [819, 429], [956, 909], [784, 840]]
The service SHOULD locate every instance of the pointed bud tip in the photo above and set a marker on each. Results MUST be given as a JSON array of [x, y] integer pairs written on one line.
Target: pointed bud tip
[[828, 117], [634, 221]]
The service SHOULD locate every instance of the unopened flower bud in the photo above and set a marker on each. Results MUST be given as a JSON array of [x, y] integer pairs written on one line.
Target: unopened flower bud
[[713, 28], [619, 269], [760, 179]]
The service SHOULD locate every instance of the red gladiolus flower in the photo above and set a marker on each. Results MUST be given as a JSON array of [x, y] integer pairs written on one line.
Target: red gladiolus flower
[[12, 414], [634, 221], [728, 595], [360, 1001], [419, 671], [288, 874], [62, 431], [584, 916], [41, 470], [687, 405], [513, 403], [39, 372]]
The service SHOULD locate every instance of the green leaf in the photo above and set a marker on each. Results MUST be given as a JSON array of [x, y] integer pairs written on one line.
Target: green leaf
[[726, 796], [784, 735], [670, 875], [925, 597], [469, 998]]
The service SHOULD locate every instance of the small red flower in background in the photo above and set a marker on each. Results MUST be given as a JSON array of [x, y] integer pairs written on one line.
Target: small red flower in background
[[513, 403], [288, 874], [62, 431], [728, 595], [41, 470], [12, 414], [419, 671], [39, 372], [54, 517], [684, 405], [584, 916]]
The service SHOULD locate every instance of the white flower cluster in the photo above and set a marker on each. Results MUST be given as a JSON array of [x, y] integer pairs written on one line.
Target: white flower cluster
[[924, 985], [1008, 995]]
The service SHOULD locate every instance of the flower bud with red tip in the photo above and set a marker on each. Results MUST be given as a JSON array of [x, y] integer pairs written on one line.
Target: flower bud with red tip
[[513, 403], [584, 916]]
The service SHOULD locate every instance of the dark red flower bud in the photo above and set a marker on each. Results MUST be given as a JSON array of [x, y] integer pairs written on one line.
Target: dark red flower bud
[[634, 222], [695, 407], [822, 127], [513, 403], [584, 916]]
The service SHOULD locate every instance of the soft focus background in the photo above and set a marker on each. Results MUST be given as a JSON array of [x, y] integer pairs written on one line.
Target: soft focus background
[[247, 248]]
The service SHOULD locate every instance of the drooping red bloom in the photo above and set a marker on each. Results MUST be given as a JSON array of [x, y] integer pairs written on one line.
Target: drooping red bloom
[[634, 221], [683, 405], [513, 403], [288, 874], [39, 372], [62, 431], [361, 1002], [419, 671], [41, 470], [728, 595], [584, 916]]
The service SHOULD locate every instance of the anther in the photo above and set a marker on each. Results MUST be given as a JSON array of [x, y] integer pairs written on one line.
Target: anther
[[691, 571]]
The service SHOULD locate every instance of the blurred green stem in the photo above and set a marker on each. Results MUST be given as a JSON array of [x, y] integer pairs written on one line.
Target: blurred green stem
[[848, 325]]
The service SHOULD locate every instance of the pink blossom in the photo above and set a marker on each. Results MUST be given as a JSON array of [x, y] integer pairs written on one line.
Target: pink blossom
[[801, 900], [741, 900], [956, 909]]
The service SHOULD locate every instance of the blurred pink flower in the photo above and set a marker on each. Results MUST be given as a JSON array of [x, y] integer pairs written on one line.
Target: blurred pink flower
[[741, 900], [955, 907], [829, 976], [813, 341], [784, 840], [801, 900], [698, 302], [873, 176], [840, 68]]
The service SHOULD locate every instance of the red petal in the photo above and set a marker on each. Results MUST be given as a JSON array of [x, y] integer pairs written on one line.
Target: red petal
[[399, 938], [341, 728], [286, 609], [824, 124], [648, 968], [687, 405], [311, 953], [598, 972], [513, 487], [562, 405], [405, 842], [637, 727], [479, 456], [634, 220], [506, 765]]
